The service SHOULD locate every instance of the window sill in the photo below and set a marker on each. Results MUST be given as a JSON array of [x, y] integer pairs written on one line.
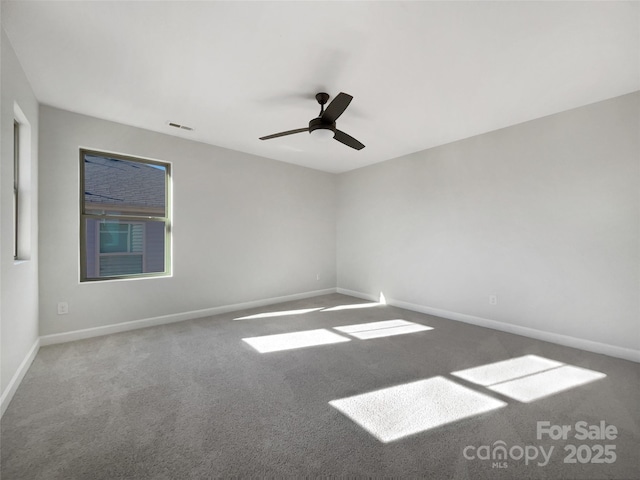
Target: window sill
[[122, 279]]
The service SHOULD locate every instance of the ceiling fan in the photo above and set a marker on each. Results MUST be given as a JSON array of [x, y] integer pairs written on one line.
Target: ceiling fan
[[325, 123]]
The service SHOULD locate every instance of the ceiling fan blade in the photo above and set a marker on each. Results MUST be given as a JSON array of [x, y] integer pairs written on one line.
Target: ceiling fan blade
[[348, 140], [336, 108], [288, 132]]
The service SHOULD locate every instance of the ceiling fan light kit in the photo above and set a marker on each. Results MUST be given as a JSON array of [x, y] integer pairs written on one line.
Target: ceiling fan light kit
[[324, 125], [322, 134]]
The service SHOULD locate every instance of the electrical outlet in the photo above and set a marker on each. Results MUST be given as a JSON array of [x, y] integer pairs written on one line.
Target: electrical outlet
[[493, 299], [63, 308], [318, 276]]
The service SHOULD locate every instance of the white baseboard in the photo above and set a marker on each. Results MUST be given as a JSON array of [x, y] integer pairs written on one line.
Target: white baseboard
[[566, 340], [353, 293], [176, 317], [10, 391]]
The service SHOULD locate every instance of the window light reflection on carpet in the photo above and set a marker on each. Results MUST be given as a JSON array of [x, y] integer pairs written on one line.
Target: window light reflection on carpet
[[385, 328], [352, 306], [506, 369], [289, 341], [283, 313], [393, 413], [529, 377], [540, 385], [381, 302]]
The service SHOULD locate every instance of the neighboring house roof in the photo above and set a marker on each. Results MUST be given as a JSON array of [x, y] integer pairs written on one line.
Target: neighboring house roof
[[113, 183]]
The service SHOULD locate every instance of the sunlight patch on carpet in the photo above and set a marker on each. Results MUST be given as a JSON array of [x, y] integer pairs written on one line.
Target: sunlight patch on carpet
[[352, 306], [396, 412], [511, 369], [533, 387], [290, 341], [279, 314], [385, 328]]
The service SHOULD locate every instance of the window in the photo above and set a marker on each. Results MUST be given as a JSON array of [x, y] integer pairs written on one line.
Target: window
[[16, 188], [124, 217], [22, 186]]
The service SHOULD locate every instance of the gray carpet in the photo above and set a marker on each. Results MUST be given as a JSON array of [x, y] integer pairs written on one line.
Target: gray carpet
[[193, 400]]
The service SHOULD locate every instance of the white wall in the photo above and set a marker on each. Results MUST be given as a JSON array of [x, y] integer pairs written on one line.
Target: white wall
[[545, 215], [19, 293], [245, 228]]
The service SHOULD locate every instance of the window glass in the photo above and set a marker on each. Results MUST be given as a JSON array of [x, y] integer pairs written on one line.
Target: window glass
[[124, 214], [16, 187], [115, 186]]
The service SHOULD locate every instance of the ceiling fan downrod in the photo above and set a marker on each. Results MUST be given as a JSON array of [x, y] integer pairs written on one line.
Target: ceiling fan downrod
[[322, 98]]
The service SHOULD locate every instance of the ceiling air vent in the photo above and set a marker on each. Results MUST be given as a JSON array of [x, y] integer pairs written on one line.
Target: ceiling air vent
[[182, 127]]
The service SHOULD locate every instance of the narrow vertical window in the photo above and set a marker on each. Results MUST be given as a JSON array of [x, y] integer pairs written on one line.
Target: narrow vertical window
[[16, 187], [23, 188], [124, 217]]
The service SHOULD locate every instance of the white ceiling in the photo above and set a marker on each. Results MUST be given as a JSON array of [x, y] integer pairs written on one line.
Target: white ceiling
[[422, 74]]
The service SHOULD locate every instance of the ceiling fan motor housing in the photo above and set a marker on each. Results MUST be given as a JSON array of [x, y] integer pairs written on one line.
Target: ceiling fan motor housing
[[318, 124]]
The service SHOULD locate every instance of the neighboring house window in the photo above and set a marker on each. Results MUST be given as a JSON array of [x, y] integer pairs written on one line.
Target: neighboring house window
[[125, 217], [121, 250]]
